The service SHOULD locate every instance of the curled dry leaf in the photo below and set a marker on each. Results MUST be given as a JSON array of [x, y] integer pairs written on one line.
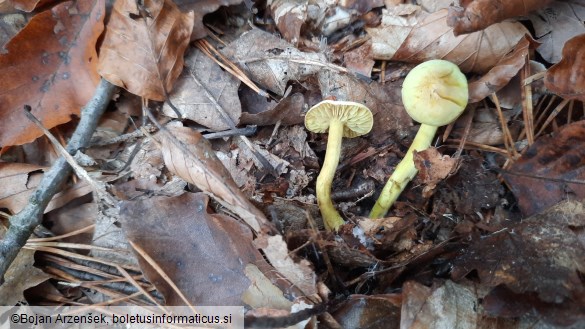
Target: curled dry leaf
[[567, 77], [190, 156], [201, 86], [143, 47], [51, 66], [501, 74], [419, 37], [475, 15], [542, 176], [200, 9]]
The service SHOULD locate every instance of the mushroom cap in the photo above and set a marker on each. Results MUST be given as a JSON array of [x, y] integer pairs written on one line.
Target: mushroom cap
[[435, 92], [357, 119]]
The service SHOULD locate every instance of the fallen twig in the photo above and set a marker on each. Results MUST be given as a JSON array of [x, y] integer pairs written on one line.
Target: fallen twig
[[23, 223]]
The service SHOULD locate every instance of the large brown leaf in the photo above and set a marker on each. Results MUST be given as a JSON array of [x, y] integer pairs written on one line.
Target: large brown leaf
[[475, 15], [419, 37], [51, 66], [542, 176], [539, 260], [567, 77], [219, 248], [143, 47]]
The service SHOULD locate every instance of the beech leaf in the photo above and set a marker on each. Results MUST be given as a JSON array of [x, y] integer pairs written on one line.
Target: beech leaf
[[567, 77], [51, 66], [187, 154], [475, 15], [143, 47], [419, 37]]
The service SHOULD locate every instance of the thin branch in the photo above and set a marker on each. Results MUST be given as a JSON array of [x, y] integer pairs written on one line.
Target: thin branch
[[23, 223]]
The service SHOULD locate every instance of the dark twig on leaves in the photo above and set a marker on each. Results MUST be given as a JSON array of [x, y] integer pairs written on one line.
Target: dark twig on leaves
[[23, 223]]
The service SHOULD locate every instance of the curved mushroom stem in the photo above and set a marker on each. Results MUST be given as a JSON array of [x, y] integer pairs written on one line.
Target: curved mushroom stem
[[331, 217], [404, 172]]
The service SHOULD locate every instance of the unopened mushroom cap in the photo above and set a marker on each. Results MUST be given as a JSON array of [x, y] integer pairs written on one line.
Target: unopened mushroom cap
[[357, 118], [435, 92]]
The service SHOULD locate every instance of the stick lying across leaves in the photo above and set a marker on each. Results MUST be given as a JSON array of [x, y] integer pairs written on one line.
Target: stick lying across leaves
[[23, 223]]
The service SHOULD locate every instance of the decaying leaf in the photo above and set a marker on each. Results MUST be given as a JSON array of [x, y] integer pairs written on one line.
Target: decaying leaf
[[542, 176], [501, 74], [540, 259], [433, 168], [556, 24], [425, 36], [475, 15], [191, 157], [201, 89], [567, 77], [448, 305], [19, 181], [271, 61], [205, 255], [51, 66], [143, 48], [263, 112]]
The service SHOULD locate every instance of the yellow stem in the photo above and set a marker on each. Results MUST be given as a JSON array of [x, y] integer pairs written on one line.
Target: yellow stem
[[404, 172], [331, 217]]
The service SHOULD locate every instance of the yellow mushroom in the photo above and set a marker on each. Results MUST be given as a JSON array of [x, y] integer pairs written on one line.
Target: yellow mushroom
[[434, 93], [341, 119]]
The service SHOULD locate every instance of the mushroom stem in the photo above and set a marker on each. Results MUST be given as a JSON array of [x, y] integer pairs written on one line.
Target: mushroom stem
[[404, 172], [331, 217]]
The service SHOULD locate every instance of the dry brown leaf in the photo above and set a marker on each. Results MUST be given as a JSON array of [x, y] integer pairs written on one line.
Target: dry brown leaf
[[200, 9], [556, 24], [201, 167], [433, 168], [143, 47], [299, 273], [429, 37], [51, 66], [475, 15], [567, 77], [19, 181], [501, 74], [220, 247], [201, 86]]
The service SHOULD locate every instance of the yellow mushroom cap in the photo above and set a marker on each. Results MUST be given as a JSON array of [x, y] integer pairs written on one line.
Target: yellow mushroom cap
[[435, 92], [357, 119]]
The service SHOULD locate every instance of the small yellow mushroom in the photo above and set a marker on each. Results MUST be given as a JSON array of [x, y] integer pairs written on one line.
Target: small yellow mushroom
[[341, 119], [434, 93]]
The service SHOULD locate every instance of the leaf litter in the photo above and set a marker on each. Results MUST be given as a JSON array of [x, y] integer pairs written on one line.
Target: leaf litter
[[481, 238]]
